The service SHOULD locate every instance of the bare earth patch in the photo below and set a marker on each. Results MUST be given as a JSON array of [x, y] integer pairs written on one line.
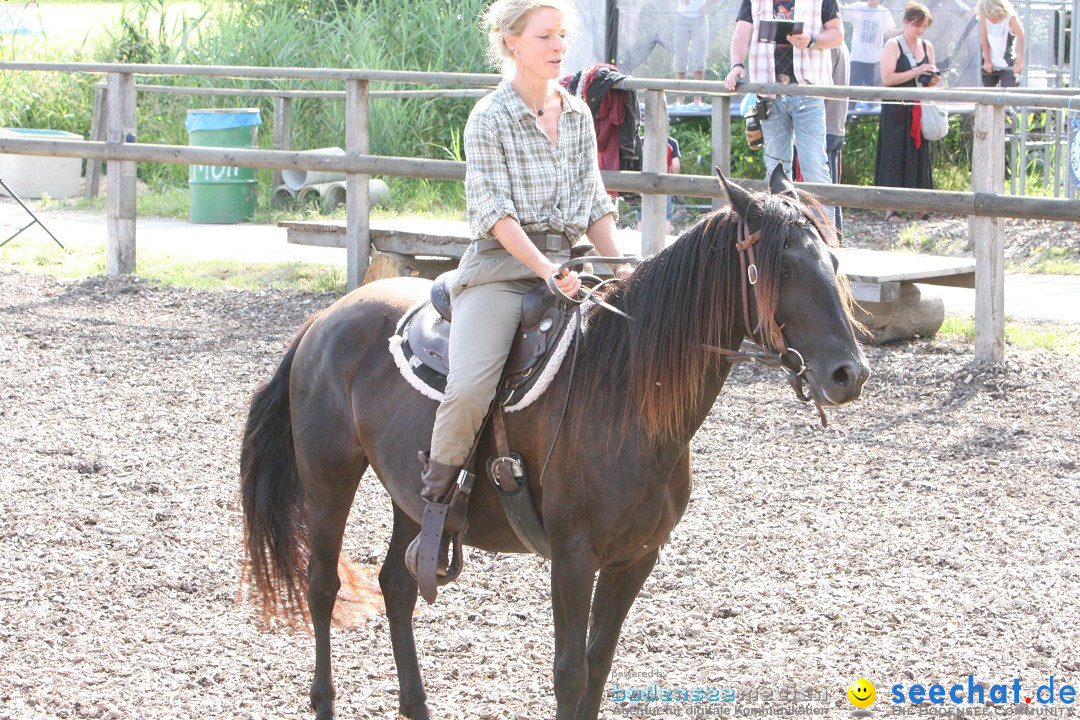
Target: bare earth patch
[[929, 533], [1025, 240]]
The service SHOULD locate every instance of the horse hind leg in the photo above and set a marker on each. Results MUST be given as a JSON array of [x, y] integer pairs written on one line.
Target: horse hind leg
[[399, 593], [328, 506]]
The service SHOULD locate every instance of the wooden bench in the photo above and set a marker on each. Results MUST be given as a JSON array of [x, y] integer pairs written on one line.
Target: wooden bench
[[895, 302], [416, 247], [890, 287]]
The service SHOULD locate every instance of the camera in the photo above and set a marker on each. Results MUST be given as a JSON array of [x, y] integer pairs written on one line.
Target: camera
[[924, 80]]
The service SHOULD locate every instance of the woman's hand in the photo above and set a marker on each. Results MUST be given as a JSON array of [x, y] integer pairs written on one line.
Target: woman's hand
[[988, 67], [568, 281], [624, 270], [1018, 67]]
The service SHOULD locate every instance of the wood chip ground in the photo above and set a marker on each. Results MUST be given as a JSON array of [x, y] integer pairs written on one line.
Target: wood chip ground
[[928, 534]]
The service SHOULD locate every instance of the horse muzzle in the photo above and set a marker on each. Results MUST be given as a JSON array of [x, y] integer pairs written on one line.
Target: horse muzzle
[[838, 383]]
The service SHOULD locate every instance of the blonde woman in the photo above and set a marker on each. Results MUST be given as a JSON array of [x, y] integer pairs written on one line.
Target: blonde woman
[[532, 173], [999, 26]]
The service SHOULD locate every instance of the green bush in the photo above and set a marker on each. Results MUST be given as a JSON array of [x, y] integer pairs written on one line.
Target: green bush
[[371, 34]]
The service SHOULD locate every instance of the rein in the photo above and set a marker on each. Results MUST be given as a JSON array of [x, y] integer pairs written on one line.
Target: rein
[[779, 347], [588, 295]]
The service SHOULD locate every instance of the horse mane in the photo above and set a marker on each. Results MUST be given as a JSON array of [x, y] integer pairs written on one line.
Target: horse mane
[[651, 369]]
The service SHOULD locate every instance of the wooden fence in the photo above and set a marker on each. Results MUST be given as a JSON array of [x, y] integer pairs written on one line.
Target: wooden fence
[[985, 205]]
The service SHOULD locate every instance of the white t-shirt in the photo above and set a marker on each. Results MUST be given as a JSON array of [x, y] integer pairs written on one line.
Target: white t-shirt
[[997, 35], [869, 26], [691, 8]]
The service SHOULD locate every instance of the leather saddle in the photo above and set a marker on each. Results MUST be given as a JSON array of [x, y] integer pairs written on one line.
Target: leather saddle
[[544, 322]]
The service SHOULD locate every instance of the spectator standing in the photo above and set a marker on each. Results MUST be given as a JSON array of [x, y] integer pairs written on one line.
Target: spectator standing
[[691, 41], [871, 25], [999, 26], [903, 156], [836, 120], [803, 60]]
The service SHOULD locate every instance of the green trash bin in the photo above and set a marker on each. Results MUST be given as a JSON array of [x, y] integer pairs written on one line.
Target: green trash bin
[[222, 194]]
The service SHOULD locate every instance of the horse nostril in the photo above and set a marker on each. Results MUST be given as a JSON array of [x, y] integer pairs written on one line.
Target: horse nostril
[[844, 376]]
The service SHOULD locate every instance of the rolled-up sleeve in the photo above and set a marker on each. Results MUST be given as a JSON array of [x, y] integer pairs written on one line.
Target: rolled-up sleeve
[[601, 201], [487, 179]]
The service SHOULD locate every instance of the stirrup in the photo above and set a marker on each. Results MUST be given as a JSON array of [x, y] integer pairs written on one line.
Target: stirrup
[[434, 558], [441, 529]]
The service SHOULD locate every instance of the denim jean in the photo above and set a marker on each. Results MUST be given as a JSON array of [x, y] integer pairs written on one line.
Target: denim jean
[[798, 120]]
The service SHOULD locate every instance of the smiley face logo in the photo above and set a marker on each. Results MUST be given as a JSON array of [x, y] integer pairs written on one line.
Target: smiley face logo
[[862, 693]]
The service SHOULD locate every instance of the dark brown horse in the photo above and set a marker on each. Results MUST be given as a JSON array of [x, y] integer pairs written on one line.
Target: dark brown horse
[[619, 478]]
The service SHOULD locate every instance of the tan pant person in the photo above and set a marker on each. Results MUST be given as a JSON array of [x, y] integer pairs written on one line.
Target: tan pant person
[[486, 316]]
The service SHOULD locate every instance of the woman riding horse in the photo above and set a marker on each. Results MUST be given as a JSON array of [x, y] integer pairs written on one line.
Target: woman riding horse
[[532, 188]]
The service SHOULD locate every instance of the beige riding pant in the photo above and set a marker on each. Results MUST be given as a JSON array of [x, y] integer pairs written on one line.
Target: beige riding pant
[[486, 317]]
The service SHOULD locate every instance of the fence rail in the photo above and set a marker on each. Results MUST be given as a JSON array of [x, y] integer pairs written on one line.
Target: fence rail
[[115, 142]]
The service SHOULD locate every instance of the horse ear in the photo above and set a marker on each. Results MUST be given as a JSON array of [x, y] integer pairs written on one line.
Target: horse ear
[[780, 184], [736, 194]]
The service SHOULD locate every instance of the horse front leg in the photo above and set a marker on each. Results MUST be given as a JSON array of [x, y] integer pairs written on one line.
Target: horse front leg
[[572, 575], [615, 593], [399, 594]]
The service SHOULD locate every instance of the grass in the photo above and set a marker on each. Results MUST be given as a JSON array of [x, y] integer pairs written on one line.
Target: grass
[[1020, 335], [86, 259], [913, 238], [1050, 261]]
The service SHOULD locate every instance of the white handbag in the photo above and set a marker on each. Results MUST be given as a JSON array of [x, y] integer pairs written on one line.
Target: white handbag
[[935, 122]]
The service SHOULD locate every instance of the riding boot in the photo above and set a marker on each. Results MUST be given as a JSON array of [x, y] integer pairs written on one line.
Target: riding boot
[[438, 489], [437, 479]]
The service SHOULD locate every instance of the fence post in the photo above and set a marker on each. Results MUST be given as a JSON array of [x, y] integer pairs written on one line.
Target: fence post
[[98, 122], [654, 207], [282, 133], [120, 245], [721, 139], [988, 235], [358, 203]]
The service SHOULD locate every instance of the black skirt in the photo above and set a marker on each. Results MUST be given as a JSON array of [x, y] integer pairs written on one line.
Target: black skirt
[[899, 162]]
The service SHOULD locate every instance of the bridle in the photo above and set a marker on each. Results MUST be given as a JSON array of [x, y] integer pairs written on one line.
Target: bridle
[[777, 351]]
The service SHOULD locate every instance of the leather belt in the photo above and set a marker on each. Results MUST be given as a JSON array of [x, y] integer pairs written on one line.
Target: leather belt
[[786, 79], [544, 242]]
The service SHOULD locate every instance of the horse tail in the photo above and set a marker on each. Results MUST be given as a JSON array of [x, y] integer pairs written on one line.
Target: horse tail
[[275, 527]]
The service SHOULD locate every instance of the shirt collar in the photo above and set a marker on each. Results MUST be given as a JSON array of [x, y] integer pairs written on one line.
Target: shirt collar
[[517, 108]]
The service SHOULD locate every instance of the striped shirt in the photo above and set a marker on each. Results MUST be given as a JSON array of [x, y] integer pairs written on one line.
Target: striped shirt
[[513, 168]]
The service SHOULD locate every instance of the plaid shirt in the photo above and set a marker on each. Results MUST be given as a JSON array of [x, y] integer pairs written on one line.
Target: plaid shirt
[[513, 168]]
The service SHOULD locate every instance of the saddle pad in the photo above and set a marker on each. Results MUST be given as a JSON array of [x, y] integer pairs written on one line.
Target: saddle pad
[[428, 376]]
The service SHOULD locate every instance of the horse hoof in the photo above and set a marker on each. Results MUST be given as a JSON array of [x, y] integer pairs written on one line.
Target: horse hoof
[[419, 712]]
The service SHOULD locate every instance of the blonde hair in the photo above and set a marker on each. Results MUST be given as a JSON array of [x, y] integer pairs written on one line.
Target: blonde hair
[[986, 9], [504, 18]]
